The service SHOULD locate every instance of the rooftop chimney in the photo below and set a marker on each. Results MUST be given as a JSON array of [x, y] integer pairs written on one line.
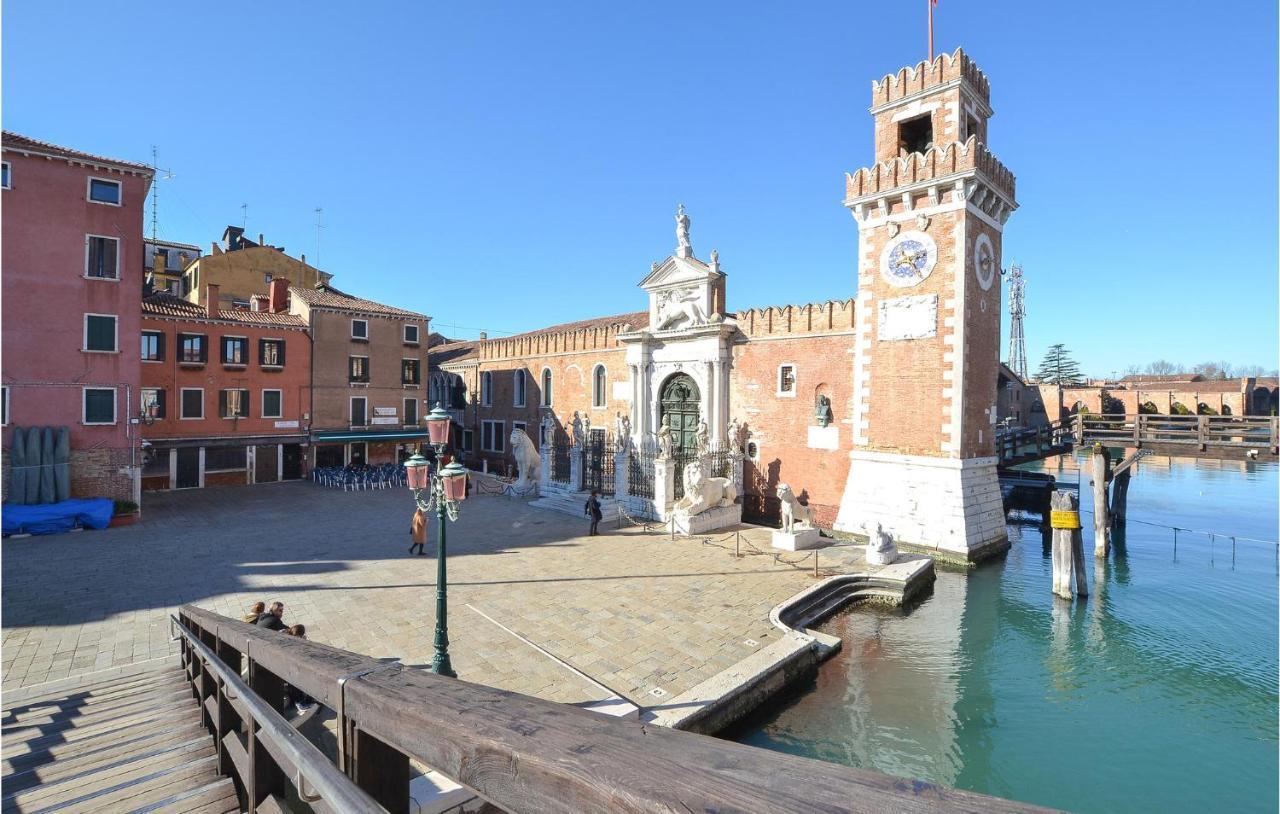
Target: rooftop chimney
[[158, 261], [211, 300], [484, 335], [260, 240], [278, 300]]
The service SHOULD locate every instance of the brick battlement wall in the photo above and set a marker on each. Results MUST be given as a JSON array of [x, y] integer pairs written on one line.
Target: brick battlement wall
[[944, 68], [822, 317], [582, 339], [937, 162]]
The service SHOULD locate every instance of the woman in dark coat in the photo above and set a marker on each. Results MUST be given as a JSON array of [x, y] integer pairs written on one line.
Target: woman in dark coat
[[593, 510]]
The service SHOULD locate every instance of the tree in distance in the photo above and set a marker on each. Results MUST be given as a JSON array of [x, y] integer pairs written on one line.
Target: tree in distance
[[1058, 367]]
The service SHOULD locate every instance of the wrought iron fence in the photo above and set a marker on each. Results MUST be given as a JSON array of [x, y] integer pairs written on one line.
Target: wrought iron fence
[[599, 463], [640, 473], [679, 460], [560, 461], [720, 461]]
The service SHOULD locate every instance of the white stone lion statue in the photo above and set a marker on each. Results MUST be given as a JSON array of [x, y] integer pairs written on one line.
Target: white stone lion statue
[[528, 461], [794, 513], [702, 493]]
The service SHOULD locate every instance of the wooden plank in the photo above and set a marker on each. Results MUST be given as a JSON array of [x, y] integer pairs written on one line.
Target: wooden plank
[[527, 754], [51, 767], [382, 771]]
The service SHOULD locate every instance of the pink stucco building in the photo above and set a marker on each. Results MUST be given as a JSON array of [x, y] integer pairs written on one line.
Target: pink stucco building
[[72, 280]]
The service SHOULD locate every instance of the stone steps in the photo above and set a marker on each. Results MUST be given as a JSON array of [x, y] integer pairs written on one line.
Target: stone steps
[[572, 503]]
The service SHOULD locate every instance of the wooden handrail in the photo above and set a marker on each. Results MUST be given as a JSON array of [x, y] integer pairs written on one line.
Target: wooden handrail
[[526, 754], [311, 770]]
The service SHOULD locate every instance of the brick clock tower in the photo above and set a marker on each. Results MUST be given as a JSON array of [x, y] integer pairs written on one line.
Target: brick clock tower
[[930, 216]]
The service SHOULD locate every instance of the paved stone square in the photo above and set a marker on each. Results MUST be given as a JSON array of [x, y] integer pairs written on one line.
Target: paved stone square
[[632, 609]]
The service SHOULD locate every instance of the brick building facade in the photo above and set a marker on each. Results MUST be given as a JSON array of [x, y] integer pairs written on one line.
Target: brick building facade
[[73, 270], [367, 376], [226, 393]]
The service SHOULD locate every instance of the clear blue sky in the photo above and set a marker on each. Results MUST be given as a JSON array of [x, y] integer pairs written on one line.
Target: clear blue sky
[[529, 156]]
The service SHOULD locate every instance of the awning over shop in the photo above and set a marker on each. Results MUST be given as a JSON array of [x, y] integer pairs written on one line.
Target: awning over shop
[[242, 441], [339, 437]]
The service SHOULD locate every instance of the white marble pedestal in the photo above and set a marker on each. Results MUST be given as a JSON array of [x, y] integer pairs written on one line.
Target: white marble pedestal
[[710, 520], [881, 557], [797, 540]]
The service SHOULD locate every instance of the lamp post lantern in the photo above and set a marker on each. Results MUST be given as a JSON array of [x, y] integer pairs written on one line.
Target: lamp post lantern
[[444, 489]]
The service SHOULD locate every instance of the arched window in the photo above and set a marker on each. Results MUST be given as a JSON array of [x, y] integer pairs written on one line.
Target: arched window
[[598, 379], [517, 399], [546, 387], [486, 389]]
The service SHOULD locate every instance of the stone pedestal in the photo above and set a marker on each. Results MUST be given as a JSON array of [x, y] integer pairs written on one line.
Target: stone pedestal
[[887, 556], [797, 540], [735, 470], [664, 486], [576, 468], [621, 475], [950, 504], [710, 520], [544, 469]]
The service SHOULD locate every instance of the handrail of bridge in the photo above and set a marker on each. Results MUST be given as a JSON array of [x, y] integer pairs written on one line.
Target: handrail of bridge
[[521, 753], [258, 744], [1202, 431]]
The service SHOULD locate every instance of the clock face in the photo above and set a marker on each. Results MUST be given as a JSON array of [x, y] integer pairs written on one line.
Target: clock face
[[984, 261], [909, 259]]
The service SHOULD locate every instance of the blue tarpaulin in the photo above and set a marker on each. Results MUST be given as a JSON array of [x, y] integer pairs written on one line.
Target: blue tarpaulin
[[53, 518]]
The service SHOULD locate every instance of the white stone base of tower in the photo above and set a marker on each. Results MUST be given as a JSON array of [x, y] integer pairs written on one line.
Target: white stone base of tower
[[944, 504]]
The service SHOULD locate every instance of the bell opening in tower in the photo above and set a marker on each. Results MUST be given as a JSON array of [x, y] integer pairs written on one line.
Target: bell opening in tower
[[915, 135]]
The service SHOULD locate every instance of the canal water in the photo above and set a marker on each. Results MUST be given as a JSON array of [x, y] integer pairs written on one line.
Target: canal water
[[1157, 693]]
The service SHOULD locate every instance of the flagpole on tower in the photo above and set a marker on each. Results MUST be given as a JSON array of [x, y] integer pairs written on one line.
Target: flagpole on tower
[[931, 4]]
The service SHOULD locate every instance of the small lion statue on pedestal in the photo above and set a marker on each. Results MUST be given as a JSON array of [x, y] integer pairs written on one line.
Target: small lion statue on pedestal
[[794, 513], [528, 461], [702, 493]]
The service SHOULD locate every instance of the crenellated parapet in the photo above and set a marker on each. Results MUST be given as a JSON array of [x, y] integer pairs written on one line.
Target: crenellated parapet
[[781, 320], [934, 164], [594, 338], [925, 76]]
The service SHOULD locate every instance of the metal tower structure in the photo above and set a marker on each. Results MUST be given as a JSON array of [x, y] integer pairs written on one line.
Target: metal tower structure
[[1017, 310]]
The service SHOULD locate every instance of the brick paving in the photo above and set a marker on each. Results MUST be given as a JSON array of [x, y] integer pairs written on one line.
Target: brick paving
[[632, 609]]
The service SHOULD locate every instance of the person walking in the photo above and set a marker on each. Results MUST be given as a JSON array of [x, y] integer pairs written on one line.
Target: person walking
[[593, 510], [418, 532]]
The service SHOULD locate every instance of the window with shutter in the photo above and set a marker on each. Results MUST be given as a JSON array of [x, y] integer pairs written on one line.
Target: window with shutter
[[99, 405], [100, 332], [152, 346], [101, 257], [192, 402]]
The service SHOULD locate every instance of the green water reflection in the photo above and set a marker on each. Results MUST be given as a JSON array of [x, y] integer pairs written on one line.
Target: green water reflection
[[1158, 693]]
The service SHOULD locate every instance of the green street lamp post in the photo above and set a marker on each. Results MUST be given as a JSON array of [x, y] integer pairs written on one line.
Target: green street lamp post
[[444, 491]]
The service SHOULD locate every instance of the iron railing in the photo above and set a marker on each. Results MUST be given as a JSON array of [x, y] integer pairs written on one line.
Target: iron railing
[[560, 461], [640, 473]]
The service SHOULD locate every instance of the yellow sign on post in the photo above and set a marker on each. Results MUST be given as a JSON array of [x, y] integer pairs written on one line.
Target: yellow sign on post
[[1064, 520]]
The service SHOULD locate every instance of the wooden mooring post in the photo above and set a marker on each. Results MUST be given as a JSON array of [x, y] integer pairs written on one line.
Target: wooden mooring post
[[1068, 546], [1101, 463]]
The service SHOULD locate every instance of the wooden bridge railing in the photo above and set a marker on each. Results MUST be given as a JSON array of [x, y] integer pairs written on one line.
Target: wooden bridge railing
[[518, 753], [1015, 446], [1197, 431]]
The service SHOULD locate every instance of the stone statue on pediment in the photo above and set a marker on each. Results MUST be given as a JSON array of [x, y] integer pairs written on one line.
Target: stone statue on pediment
[[683, 247]]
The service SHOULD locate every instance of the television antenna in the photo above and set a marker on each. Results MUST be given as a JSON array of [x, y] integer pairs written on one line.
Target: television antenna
[[1017, 310], [157, 175], [319, 225]]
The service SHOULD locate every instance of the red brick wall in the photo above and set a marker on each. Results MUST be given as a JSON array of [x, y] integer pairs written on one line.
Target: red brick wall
[[45, 298], [779, 425], [293, 380], [571, 389], [982, 345]]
